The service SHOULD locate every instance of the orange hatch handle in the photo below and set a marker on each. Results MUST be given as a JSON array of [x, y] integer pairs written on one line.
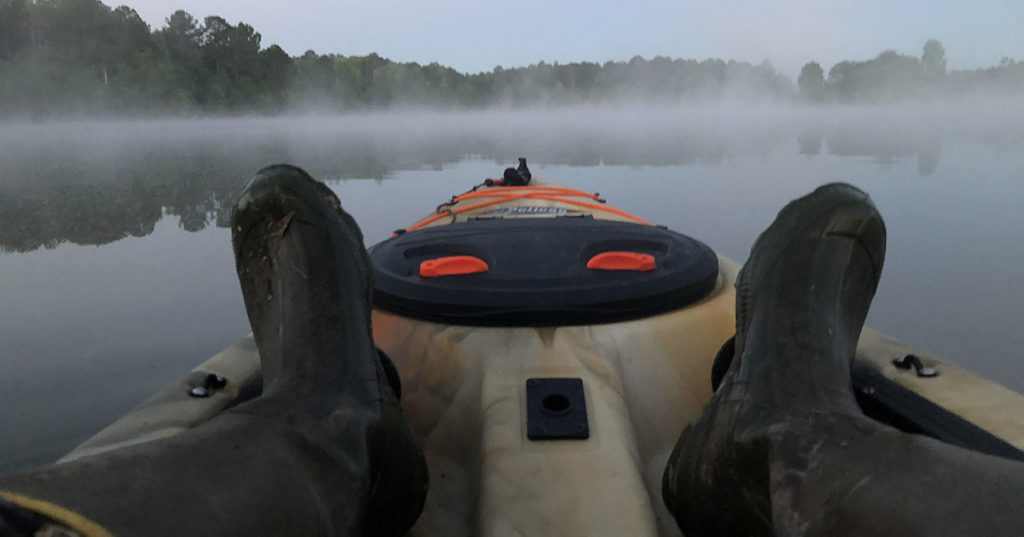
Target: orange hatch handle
[[452, 265], [622, 261]]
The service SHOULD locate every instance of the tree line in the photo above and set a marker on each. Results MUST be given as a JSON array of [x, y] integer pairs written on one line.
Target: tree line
[[81, 56], [894, 76]]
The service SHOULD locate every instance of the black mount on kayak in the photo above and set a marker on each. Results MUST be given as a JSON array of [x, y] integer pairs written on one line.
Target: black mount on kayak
[[556, 409], [540, 272], [517, 176]]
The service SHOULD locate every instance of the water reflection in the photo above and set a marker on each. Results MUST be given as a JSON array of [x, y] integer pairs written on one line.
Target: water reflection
[[884, 147], [87, 332], [94, 183]]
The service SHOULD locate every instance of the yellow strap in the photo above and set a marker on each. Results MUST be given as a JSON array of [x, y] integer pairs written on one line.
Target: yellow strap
[[69, 518]]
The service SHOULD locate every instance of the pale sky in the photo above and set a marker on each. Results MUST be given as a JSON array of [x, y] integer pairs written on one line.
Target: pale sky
[[474, 35]]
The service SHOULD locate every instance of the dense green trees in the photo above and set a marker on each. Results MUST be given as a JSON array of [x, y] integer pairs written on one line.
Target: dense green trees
[[812, 82], [888, 76], [892, 76], [82, 57], [933, 59]]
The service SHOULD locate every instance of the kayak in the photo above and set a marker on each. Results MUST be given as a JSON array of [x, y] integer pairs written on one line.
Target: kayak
[[551, 348]]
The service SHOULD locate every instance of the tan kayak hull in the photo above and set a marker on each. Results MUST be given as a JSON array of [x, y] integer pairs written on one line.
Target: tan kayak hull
[[465, 395]]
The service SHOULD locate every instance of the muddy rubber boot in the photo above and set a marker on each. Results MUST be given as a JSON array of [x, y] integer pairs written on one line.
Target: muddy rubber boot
[[801, 300], [307, 283], [325, 450]]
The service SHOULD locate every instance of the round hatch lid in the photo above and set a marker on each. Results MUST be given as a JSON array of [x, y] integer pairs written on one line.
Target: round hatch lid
[[540, 272]]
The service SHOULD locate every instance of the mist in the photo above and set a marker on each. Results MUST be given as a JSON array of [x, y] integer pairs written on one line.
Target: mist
[[96, 181], [85, 59]]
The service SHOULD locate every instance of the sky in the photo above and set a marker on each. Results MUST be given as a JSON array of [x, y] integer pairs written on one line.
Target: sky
[[476, 35]]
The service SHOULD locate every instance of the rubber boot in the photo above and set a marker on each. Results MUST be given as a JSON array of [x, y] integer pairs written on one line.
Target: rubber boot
[[325, 450], [802, 298], [307, 283], [782, 448]]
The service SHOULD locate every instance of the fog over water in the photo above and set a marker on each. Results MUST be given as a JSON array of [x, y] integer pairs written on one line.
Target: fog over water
[[116, 274]]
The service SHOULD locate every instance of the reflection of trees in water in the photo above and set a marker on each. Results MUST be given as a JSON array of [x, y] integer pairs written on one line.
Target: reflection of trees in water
[[928, 155], [884, 146], [97, 183], [809, 141], [94, 195], [80, 213], [92, 201]]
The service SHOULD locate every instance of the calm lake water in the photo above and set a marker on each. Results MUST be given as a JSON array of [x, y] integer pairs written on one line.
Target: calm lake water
[[116, 274]]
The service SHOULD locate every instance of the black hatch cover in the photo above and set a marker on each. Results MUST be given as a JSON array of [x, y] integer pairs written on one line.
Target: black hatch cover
[[540, 272]]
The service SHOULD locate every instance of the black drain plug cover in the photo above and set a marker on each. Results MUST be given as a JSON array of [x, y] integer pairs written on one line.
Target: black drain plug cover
[[556, 409]]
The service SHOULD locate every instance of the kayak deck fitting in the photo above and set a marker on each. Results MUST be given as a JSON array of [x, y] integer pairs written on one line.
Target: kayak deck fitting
[[551, 349]]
